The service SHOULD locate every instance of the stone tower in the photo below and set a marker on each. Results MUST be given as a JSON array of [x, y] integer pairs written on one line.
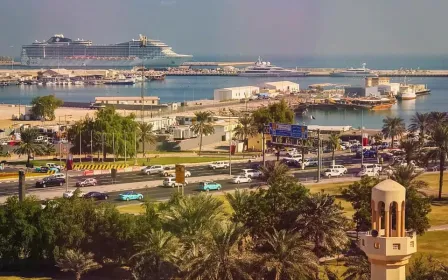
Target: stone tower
[[388, 245]]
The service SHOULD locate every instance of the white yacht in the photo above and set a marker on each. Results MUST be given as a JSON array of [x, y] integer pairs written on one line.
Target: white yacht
[[406, 92], [266, 69], [355, 72]]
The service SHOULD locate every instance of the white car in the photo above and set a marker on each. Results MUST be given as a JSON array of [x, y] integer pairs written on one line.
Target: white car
[[297, 157], [241, 179], [368, 173], [218, 165], [153, 169], [342, 169], [252, 173], [69, 194], [310, 162], [332, 173], [58, 175], [171, 182]]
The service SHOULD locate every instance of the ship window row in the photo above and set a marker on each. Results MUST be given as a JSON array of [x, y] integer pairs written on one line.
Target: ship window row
[[90, 52]]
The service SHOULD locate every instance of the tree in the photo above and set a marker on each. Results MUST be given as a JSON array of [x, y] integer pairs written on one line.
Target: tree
[[275, 172], [392, 128], [44, 106], [306, 143], [246, 128], [378, 138], [28, 145], [146, 134], [238, 201], [288, 256], [410, 148], [49, 149], [335, 143], [440, 137], [437, 119], [278, 112], [220, 258], [203, 125], [420, 122], [323, 223], [77, 262], [358, 267], [156, 255], [427, 269]]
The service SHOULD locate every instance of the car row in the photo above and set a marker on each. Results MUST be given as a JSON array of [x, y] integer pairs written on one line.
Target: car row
[[89, 195], [162, 170]]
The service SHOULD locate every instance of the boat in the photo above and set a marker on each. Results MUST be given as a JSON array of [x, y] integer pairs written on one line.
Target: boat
[[266, 69], [367, 103], [157, 77], [406, 92], [59, 51], [355, 72], [121, 80]]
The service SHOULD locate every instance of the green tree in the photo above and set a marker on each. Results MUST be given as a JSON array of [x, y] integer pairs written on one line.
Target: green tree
[[246, 128], [203, 125], [378, 138], [305, 145], [146, 134], [156, 255], [77, 262], [440, 137], [28, 145], [335, 143], [420, 123], [288, 256], [49, 150], [275, 171], [220, 259], [238, 201], [358, 267], [392, 128], [278, 112], [323, 223], [437, 119], [411, 149], [427, 268], [44, 106]]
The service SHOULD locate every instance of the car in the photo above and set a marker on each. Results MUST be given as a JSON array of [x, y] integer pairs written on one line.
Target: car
[[241, 179], [368, 173], [96, 196], [153, 169], [297, 157], [53, 165], [342, 169], [131, 195], [69, 194], [218, 165], [332, 173], [209, 186], [371, 166], [310, 162], [256, 166], [251, 173], [87, 182], [58, 175], [45, 169], [171, 182], [291, 162], [50, 182], [172, 173]]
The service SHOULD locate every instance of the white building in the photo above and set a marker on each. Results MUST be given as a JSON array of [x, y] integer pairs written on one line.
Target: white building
[[283, 86], [391, 87], [235, 93], [127, 100]]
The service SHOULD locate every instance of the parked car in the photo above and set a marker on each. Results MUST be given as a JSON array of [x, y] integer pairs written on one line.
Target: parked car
[[342, 169], [96, 196], [87, 182], [332, 173], [209, 186], [251, 173], [171, 182], [131, 195], [218, 165], [367, 154], [310, 162], [69, 194], [368, 173], [241, 179], [153, 169], [50, 182]]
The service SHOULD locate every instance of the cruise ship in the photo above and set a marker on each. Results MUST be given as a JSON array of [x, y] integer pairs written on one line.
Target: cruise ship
[[266, 69], [59, 51], [355, 72]]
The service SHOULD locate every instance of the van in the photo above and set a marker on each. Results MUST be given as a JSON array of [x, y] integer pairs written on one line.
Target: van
[[371, 167]]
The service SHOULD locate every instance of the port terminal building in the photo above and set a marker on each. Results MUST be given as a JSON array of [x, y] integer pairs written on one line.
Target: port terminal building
[[232, 93], [127, 100]]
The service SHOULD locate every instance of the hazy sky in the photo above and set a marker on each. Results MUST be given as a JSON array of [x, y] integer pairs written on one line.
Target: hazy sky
[[302, 27]]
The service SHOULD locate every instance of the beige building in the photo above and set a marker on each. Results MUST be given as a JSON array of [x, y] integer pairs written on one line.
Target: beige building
[[283, 86], [235, 93], [255, 143], [127, 100], [388, 245], [376, 81]]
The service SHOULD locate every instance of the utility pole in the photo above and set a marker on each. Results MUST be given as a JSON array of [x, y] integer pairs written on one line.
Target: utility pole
[[80, 145], [230, 148], [135, 147], [125, 154], [102, 147], [113, 145], [263, 147], [319, 157], [91, 146], [362, 138]]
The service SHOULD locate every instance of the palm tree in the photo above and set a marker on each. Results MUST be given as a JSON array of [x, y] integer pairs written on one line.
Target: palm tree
[[157, 250], [335, 144], [28, 144], [378, 138], [246, 128], [411, 149], [77, 262], [405, 175], [393, 127], [358, 267], [203, 125], [220, 259], [238, 201], [437, 119], [420, 122], [288, 256], [323, 223], [306, 143], [440, 137], [146, 134], [275, 171]]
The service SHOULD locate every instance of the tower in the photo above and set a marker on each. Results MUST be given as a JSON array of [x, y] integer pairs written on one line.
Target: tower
[[388, 245]]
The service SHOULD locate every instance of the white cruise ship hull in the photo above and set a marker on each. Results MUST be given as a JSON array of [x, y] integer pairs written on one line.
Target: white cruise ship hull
[[288, 74], [106, 62], [345, 74], [406, 96]]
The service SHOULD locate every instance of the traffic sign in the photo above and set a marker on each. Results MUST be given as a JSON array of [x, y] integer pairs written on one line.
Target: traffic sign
[[288, 130], [180, 174]]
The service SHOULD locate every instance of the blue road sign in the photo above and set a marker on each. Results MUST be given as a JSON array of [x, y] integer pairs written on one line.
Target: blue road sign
[[288, 130]]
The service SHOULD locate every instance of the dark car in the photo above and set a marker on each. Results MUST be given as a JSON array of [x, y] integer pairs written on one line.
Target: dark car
[[96, 196], [50, 182], [367, 154], [255, 166]]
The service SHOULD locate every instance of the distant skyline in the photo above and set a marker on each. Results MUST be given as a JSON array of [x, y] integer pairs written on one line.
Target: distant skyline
[[236, 27]]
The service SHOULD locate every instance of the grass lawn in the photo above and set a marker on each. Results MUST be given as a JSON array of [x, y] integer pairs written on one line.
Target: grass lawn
[[135, 209], [434, 243], [433, 181]]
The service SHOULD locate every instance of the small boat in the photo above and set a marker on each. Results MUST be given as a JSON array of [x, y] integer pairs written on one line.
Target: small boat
[[120, 82], [406, 92]]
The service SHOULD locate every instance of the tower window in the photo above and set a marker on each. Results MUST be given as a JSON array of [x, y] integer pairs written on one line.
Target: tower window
[[411, 244], [396, 246], [363, 243], [376, 245]]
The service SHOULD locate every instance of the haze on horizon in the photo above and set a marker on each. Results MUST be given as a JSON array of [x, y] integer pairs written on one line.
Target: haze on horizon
[[233, 27]]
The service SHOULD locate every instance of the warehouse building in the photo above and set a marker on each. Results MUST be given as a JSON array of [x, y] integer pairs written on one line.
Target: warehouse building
[[283, 86], [127, 100], [235, 93]]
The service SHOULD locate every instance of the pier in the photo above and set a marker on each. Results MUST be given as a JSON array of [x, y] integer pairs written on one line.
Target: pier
[[214, 63]]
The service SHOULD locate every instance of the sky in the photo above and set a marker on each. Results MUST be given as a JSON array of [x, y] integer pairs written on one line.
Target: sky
[[236, 27]]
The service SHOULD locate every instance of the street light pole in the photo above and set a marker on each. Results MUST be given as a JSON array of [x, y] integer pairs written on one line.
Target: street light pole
[[135, 147], [125, 154], [230, 148], [113, 145], [91, 146], [319, 157]]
